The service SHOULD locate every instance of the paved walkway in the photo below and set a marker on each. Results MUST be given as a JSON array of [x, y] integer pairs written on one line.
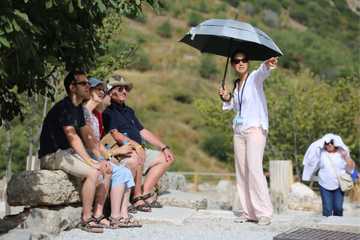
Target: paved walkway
[[181, 223]]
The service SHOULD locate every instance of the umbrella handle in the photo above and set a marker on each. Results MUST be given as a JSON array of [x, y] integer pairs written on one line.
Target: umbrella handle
[[223, 80], [225, 72]]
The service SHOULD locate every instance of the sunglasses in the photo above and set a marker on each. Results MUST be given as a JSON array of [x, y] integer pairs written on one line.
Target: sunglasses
[[237, 60], [328, 143], [121, 88], [82, 83]]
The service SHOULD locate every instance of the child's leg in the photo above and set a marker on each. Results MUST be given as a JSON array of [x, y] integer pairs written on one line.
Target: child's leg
[[125, 204], [116, 197]]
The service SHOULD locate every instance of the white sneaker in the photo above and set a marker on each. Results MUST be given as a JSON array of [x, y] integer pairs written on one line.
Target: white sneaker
[[241, 219], [264, 221]]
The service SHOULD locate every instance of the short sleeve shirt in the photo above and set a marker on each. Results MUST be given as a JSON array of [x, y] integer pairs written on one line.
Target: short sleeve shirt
[[63, 114], [123, 119], [91, 119]]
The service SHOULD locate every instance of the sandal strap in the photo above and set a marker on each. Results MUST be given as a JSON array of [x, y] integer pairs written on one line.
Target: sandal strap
[[132, 222], [87, 222], [99, 219], [136, 199], [114, 220], [144, 207], [148, 195]]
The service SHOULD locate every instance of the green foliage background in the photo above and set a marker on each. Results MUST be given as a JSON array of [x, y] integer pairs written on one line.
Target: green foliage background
[[314, 91]]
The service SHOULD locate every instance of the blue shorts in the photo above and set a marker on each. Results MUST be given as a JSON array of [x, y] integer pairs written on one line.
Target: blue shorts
[[121, 175]]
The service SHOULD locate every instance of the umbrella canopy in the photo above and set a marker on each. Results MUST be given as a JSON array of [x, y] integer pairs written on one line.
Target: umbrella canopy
[[224, 36]]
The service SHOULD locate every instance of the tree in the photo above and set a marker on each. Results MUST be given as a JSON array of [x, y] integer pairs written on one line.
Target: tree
[[38, 37]]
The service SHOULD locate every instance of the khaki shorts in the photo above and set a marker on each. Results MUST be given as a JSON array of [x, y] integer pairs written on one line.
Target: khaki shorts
[[68, 161], [151, 156]]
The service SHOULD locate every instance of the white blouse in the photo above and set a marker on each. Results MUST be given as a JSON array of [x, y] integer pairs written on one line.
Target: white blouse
[[254, 107], [327, 173]]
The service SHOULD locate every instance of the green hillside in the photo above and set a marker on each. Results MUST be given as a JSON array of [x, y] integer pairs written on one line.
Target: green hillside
[[314, 91]]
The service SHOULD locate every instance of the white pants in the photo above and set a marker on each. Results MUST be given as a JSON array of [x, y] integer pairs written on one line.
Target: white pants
[[251, 183]]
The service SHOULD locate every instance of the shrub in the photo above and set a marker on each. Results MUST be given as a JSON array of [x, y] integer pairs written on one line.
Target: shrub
[[220, 8], [248, 8], [202, 6], [208, 67], [270, 18], [218, 145], [233, 3], [300, 16], [140, 61], [141, 18], [194, 19], [165, 29], [183, 98]]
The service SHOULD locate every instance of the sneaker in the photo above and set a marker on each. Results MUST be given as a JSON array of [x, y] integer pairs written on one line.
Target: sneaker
[[264, 221], [241, 219]]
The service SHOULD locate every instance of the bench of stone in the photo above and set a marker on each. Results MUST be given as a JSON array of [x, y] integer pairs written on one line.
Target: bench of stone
[[43, 188]]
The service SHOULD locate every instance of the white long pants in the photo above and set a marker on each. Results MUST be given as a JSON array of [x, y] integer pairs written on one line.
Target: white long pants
[[251, 183]]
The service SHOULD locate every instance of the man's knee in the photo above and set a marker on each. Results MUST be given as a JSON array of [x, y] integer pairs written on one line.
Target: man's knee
[[165, 161], [92, 174]]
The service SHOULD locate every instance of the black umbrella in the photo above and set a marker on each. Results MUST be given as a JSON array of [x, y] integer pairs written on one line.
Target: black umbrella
[[224, 36]]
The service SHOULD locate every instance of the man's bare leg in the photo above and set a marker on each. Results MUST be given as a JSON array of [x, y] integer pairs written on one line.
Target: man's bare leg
[[101, 194], [136, 170], [88, 193], [156, 171]]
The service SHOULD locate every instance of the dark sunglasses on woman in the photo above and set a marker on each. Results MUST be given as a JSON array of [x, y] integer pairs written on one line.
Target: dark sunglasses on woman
[[237, 60]]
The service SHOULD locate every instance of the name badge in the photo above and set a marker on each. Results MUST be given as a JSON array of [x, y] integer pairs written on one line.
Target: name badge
[[238, 120]]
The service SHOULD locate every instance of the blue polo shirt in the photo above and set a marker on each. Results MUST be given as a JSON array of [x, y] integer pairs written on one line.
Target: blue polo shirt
[[122, 118], [63, 114]]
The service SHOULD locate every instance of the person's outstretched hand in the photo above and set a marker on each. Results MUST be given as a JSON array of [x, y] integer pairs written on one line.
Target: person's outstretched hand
[[271, 63]]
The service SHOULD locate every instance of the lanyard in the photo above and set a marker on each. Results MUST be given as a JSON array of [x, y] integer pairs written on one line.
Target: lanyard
[[242, 92]]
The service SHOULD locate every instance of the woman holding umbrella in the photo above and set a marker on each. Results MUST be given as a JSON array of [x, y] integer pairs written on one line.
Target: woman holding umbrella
[[250, 126]]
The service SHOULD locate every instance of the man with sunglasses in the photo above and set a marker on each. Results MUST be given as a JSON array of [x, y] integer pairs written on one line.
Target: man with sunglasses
[[121, 121], [62, 148]]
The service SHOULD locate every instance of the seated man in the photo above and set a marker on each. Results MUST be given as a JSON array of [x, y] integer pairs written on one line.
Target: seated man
[[121, 121], [61, 147]]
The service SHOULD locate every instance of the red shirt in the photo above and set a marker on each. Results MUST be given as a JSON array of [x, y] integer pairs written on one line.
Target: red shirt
[[100, 119]]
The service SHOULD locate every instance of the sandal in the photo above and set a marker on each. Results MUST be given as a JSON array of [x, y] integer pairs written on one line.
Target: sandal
[[132, 209], [132, 222], [98, 220], [154, 203], [121, 222], [142, 207], [90, 225], [116, 223]]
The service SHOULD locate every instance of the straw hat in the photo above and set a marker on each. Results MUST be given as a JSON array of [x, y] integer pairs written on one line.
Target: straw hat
[[118, 80]]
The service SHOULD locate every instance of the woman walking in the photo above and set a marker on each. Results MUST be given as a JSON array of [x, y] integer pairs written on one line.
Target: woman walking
[[331, 157], [250, 126]]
